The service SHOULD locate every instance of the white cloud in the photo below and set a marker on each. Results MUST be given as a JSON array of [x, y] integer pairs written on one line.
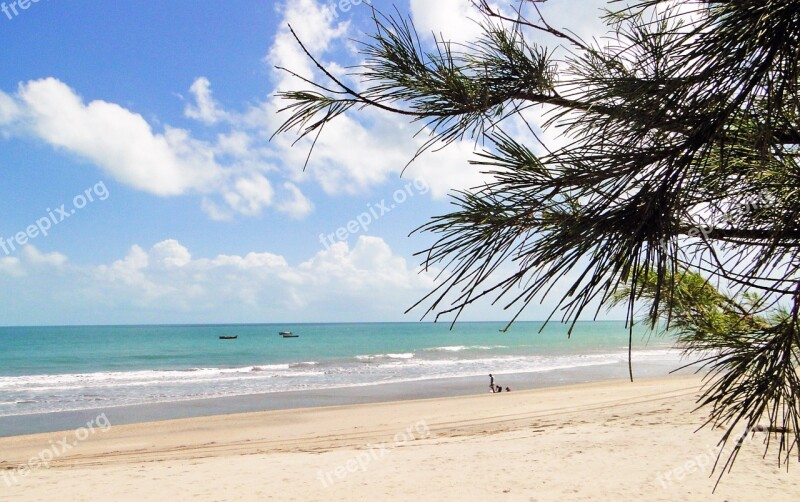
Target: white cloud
[[124, 145], [127, 270], [36, 257], [367, 281], [448, 169], [31, 260], [237, 144], [583, 19], [119, 141], [250, 195], [11, 266], [215, 211], [250, 261], [295, 204], [452, 20], [369, 268], [205, 108], [170, 254], [9, 111], [316, 25]]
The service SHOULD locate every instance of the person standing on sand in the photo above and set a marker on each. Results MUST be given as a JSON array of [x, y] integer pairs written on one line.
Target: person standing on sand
[[491, 383]]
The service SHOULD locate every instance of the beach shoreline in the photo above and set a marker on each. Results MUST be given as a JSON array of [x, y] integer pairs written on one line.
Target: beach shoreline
[[597, 441], [135, 370], [26, 424]]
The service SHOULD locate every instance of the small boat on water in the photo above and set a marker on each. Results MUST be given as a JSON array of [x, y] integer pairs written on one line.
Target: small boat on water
[[229, 337], [288, 334]]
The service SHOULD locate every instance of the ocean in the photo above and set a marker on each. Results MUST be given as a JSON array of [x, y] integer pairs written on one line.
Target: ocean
[[57, 369]]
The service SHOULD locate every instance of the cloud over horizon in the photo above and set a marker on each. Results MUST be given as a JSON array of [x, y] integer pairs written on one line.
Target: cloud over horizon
[[166, 282]]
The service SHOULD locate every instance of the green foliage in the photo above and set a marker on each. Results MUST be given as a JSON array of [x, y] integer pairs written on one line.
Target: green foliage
[[678, 187]]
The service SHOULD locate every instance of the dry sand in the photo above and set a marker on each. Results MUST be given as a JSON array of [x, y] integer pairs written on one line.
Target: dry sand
[[604, 441]]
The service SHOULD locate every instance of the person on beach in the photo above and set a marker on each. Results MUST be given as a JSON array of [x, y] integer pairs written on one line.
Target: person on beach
[[499, 389], [491, 384], [508, 390]]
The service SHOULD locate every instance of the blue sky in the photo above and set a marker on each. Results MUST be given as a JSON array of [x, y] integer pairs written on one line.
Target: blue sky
[[161, 113]]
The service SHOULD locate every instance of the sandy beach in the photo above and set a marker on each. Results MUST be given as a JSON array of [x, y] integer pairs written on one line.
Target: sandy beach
[[602, 441]]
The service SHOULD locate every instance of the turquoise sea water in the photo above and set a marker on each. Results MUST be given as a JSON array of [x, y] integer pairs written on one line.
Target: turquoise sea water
[[46, 369]]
